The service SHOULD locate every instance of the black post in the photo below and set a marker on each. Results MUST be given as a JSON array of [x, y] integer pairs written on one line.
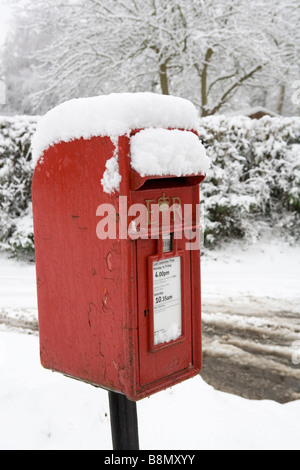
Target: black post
[[124, 422]]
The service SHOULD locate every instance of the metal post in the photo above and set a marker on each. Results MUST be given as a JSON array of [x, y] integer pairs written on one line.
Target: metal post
[[124, 422]]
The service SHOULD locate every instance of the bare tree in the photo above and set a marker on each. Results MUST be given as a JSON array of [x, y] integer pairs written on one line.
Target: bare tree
[[204, 50]]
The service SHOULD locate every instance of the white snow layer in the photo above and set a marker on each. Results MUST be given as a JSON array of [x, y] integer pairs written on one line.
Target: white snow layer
[[45, 411], [111, 178], [168, 152], [111, 115]]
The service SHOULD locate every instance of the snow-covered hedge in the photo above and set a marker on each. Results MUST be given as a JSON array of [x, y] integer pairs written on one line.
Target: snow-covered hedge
[[254, 181], [255, 178], [16, 170]]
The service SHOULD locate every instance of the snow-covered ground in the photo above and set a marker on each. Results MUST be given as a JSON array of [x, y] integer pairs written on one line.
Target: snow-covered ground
[[43, 410], [267, 270], [18, 300]]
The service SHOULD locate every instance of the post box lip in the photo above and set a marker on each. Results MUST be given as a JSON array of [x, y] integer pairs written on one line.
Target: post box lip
[[137, 181]]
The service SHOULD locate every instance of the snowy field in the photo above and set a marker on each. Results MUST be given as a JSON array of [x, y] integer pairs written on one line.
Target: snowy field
[[43, 410]]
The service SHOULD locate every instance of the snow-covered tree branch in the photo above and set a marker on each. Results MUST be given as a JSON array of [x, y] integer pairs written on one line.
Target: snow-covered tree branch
[[209, 51]]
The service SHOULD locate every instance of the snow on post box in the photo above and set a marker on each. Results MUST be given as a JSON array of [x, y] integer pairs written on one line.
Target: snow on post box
[[116, 202]]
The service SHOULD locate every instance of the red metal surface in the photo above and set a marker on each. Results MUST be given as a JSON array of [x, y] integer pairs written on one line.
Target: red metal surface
[[182, 358], [93, 294]]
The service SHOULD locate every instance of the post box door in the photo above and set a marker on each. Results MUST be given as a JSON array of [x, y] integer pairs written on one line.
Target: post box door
[[164, 310]]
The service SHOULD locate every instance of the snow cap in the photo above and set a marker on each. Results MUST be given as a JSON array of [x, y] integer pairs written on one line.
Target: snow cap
[[111, 115], [168, 152], [154, 151]]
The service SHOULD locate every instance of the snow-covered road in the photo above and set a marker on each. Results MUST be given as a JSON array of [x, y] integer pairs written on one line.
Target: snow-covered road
[[251, 320]]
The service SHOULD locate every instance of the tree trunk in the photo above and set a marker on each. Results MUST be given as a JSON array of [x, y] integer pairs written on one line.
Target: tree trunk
[[163, 75], [281, 99], [204, 94]]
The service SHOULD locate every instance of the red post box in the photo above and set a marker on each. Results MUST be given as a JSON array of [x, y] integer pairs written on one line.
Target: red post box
[[116, 202]]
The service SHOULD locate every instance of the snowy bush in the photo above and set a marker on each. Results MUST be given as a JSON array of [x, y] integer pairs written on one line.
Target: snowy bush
[[16, 170], [254, 181], [255, 178]]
